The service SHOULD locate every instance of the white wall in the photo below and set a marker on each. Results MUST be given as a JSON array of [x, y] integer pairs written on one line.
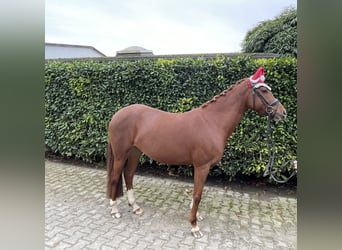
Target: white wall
[[63, 51]]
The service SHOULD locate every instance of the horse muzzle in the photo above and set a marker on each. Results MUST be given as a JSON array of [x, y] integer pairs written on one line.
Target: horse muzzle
[[278, 114]]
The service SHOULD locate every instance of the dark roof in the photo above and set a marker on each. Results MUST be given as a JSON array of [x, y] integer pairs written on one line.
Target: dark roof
[[134, 51]]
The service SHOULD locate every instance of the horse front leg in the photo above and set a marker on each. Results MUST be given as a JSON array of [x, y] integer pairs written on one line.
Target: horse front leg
[[198, 216], [200, 176]]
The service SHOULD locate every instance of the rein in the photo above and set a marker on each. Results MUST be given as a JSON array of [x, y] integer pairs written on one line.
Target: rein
[[269, 169], [270, 142]]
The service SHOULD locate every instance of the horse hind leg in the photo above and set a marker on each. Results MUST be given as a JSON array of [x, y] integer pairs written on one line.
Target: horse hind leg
[[116, 187], [129, 171]]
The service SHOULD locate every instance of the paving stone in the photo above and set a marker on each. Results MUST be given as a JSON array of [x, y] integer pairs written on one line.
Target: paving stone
[[77, 215], [80, 245]]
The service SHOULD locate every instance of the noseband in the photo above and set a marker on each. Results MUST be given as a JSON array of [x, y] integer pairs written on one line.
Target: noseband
[[268, 106]]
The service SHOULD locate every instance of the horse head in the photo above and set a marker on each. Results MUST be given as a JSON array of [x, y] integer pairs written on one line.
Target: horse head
[[262, 99]]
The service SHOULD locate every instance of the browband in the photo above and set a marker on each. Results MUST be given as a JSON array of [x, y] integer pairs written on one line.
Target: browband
[[258, 85]]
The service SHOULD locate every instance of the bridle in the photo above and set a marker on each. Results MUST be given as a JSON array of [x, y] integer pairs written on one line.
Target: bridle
[[270, 111], [269, 107]]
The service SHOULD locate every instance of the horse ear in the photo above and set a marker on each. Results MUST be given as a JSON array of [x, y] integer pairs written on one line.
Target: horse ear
[[259, 76]]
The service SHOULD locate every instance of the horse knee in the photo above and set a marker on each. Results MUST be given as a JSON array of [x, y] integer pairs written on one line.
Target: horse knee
[[115, 180]]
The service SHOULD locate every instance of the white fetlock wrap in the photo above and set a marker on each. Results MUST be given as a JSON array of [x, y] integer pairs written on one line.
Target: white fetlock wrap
[[131, 200], [130, 196], [115, 211]]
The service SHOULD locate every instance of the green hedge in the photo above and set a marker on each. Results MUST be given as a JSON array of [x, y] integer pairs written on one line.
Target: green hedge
[[81, 97]]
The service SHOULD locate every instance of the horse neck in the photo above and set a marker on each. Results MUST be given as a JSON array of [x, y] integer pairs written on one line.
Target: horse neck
[[225, 111]]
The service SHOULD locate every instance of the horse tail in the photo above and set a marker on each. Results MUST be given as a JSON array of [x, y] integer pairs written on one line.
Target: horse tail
[[110, 176]]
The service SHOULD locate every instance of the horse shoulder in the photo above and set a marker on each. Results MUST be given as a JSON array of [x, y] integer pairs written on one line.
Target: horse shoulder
[[211, 141]]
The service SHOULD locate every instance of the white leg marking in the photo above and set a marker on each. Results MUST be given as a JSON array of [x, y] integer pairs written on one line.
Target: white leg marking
[[130, 196], [195, 229], [196, 232], [111, 202], [131, 201], [115, 211]]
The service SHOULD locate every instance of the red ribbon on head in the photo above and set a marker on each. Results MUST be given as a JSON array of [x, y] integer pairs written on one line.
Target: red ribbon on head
[[258, 77]]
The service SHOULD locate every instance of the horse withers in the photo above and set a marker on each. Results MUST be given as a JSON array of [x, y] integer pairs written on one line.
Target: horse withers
[[197, 137]]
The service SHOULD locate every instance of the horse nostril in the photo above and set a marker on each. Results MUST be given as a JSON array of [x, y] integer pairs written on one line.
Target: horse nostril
[[284, 113]]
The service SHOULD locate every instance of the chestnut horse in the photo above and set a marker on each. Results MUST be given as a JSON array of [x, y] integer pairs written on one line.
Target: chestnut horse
[[197, 137]]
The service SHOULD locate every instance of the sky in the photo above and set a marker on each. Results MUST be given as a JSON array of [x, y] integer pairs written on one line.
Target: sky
[[163, 26]]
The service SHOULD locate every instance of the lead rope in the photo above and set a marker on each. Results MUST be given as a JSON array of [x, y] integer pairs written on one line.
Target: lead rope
[[270, 145]]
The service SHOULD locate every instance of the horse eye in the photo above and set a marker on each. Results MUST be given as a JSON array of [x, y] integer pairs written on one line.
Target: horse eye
[[264, 91]]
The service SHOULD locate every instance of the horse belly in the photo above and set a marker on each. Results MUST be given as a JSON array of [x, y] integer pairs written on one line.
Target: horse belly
[[170, 157], [166, 148]]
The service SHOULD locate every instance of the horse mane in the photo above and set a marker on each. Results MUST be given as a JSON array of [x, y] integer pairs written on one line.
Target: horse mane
[[223, 93]]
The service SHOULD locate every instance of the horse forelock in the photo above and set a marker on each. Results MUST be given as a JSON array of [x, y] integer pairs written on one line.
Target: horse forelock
[[223, 93]]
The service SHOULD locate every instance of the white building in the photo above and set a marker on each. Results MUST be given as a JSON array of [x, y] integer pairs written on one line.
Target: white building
[[57, 50]]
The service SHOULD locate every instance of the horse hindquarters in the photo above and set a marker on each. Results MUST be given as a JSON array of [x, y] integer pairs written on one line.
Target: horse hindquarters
[[114, 177]]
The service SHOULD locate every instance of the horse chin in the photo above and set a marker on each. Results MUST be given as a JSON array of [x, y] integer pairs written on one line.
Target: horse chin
[[277, 118], [276, 121]]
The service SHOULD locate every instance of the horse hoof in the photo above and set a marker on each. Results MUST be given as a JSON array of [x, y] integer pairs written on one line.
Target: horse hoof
[[116, 215], [138, 211], [196, 233]]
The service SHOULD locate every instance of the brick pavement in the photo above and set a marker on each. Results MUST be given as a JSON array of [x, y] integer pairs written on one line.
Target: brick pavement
[[77, 215]]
